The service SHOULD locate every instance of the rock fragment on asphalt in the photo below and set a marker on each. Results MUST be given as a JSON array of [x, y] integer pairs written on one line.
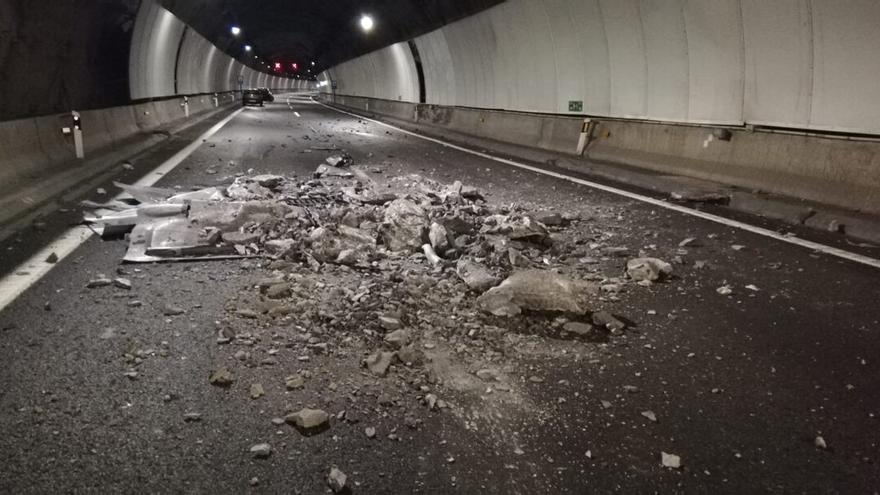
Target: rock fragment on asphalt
[[671, 461], [336, 480], [309, 420], [98, 282], [261, 450], [257, 391], [379, 362], [221, 378], [172, 310], [122, 283], [648, 269], [533, 290], [476, 276]]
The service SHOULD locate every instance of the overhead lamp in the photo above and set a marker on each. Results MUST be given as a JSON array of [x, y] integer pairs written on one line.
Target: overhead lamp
[[247, 48], [235, 30], [366, 23]]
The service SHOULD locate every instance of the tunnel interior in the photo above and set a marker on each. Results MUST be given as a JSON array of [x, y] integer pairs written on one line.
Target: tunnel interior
[[439, 246]]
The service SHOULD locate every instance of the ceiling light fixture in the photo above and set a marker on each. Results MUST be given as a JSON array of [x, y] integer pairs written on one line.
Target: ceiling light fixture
[[235, 30], [247, 48], [366, 23]]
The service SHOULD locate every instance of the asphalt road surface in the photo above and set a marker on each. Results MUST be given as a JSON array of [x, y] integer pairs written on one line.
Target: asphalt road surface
[[741, 385]]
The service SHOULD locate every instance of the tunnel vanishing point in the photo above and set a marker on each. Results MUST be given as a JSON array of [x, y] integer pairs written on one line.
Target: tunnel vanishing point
[[447, 246]]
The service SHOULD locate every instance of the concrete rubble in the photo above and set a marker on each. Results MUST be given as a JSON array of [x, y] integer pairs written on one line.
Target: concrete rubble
[[402, 279]]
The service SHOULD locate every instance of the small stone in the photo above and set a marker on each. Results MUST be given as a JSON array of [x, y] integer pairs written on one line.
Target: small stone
[[135, 304], [278, 291], [397, 338], [630, 389], [379, 362], [487, 375], [171, 310], [192, 417], [648, 269], [222, 378], [98, 282], [336, 480], [370, 432], [670, 460], [261, 450], [294, 382], [122, 283], [52, 259], [257, 391], [254, 481], [247, 314], [724, 290], [389, 323], [585, 331], [309, 420], [819, 442], [607, 320], [431, 401], [650, 415]]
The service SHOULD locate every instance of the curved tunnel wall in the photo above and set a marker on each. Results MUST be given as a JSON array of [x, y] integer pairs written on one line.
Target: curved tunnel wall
[[808, 64], [168, 58]]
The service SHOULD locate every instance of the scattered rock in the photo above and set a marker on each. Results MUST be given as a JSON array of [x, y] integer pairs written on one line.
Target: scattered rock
[[670, 460], [261, 450], [476, 276], [171, 310], [724, 290], [819, 442], [309, 421], [398, 338], [651, 269], [650, 415], [257, 391], [294, 382], [534, 290], [379, 362], [98, 282], [607, 320], [222, 378], [122, 283], [192, 417], [370, 432], [585, 331], [336, 480], [278, 291], [52, 259]]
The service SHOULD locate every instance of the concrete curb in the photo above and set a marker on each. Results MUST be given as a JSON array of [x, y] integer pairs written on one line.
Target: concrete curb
[[826, 218], [41, 191]]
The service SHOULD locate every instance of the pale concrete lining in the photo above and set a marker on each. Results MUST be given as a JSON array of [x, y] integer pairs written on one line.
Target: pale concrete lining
[[802, 64], [822, 248]]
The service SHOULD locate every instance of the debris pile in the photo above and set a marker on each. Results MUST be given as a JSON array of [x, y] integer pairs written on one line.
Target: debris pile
[[403, 277]]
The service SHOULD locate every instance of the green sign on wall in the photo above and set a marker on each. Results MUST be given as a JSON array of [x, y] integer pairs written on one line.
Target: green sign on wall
[[575, 106]]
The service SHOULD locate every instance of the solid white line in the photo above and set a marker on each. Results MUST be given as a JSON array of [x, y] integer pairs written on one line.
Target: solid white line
[[822, 248], [28, 273]]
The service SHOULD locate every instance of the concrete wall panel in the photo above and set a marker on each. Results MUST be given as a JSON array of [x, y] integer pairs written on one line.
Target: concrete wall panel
[[715, 50], [154, 47], [779, 70], [846, 82]]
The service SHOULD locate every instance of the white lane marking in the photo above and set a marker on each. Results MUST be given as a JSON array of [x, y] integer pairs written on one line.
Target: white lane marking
[[815, 246], [28, 273]]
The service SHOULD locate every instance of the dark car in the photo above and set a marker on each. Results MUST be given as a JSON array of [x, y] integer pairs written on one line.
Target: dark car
[[267, 95], [252, 97]]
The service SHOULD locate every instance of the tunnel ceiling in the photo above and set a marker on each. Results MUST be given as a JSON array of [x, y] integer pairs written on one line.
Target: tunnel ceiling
[[324, 31]]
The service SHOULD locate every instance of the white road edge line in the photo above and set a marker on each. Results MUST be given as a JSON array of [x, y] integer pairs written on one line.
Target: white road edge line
[[815, 246], [35, 268]]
